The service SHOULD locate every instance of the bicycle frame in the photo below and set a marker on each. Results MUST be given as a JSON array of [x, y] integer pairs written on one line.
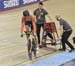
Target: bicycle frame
[[31, 43]]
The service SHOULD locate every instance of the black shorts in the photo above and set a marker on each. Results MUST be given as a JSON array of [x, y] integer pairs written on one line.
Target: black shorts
[[29, 23]]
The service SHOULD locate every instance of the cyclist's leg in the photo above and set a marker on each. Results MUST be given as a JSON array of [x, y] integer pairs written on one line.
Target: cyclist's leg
[[28, 43], [30, 26], [35, 38]]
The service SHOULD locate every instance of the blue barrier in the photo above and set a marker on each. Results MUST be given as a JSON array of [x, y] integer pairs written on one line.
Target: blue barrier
[[6, 4], [55, 60]]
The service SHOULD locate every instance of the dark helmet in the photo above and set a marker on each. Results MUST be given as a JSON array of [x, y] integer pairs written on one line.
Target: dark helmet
[[26, 13]]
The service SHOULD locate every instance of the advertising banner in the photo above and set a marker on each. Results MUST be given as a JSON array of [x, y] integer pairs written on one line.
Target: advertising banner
[[6, 4]]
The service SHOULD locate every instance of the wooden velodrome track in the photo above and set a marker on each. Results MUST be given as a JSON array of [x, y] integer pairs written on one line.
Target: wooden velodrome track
[[13, 49]]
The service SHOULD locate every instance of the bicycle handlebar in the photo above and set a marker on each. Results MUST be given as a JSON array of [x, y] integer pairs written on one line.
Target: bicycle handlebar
[[27, 32]]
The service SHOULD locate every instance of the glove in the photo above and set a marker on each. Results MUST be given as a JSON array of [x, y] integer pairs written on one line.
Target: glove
[[21, 35]]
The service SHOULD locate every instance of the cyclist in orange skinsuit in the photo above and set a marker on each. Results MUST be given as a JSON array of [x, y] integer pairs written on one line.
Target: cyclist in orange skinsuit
[[27, 20]]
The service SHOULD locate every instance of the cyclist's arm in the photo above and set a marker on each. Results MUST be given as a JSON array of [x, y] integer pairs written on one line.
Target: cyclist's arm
[[22, 24]]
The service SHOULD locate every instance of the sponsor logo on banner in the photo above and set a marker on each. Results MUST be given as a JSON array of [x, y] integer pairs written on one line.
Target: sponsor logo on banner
[[7, 4], [10, 3], [28, 1]]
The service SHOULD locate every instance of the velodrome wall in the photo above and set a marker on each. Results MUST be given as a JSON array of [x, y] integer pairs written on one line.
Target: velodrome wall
[[10, 4]]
